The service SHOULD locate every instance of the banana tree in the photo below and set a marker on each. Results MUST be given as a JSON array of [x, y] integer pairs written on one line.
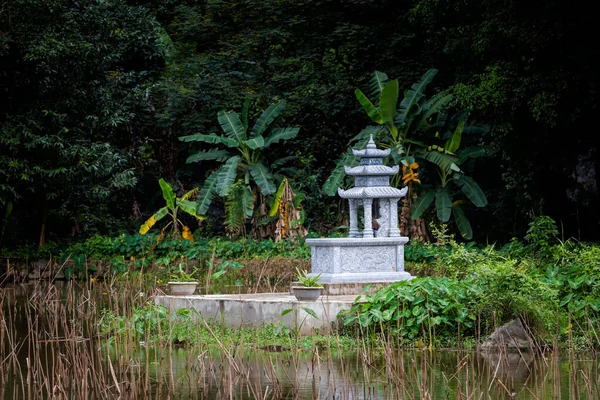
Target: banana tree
[[395, 122], [398, 127], [244, 174], [452, 179], [171, 209]]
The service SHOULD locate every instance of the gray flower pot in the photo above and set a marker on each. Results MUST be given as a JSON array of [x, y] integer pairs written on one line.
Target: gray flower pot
[[306, 293], [183, 288]]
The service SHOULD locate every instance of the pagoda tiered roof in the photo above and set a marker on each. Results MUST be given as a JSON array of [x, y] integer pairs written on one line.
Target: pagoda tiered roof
[[372, 153], [372, 170], [372, 192]]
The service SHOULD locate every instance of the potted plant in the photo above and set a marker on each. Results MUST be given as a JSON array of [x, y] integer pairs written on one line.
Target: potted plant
[[183, 284], [309, 288]]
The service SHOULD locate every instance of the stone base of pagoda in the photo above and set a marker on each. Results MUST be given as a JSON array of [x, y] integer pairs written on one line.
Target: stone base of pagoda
[[358, 260]]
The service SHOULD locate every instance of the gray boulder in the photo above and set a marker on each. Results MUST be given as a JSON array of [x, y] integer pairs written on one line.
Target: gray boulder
[[511, 336]]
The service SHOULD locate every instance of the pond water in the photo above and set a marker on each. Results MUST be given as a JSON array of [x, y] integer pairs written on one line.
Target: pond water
[[47, 351]]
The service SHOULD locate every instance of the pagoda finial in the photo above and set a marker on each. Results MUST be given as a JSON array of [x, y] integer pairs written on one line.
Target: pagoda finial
[[371, 144]]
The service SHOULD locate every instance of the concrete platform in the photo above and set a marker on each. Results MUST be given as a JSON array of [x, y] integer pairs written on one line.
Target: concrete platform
[[236, 310]]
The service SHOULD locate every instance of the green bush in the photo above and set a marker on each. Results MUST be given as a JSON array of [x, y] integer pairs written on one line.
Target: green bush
[[430, 308]]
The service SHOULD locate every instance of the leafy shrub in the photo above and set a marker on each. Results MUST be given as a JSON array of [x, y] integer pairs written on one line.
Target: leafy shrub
[[430, 307], [422, 306], [542, 233]]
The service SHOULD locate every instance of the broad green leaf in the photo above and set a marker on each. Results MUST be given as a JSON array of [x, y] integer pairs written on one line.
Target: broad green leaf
[[335, 180], [286, 311], [310, 312], [190, 194], [277, 198], [265, 119], [190, 207], [423, 202], [474, 152], [297, 199], [207, 193], [227, 174], [153, 219], [464, 227], [217, 155], [212, 138], [437, 104], [453, 144], [370, 109], [247, 202], [443, 204], [256, 142], [445, 161], [245, 108], [263, 178], [281, 134], [167, 192], [235, 206], [472, 190], [388, 102], [378, 83], [413, 97], [231, 125]]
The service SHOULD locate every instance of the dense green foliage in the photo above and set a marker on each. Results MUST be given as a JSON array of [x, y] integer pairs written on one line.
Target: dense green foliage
[[98, 93], [553, 287]]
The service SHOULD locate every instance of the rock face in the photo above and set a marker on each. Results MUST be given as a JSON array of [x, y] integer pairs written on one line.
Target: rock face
[[511, 336]]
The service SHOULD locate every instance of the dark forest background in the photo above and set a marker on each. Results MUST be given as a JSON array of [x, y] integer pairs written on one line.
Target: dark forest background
[[95, 95]]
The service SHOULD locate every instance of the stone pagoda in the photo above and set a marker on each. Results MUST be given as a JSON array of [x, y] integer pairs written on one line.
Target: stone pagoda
[[373, 256], [372, 187]]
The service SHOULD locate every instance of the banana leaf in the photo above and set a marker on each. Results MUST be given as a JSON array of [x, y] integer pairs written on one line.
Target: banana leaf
[[369, 108], [281, 134], [378, 83], [190, 207], [463, 224], [168, 194], [217, 155], [388, 102], [212, 138], [472, 190], [265, 119], [443, 203], [232, 125], [423, 202], [453, 144], [227, 174], [335, 180], [263, 178], [206, 195], [256, 142], [152, 220]]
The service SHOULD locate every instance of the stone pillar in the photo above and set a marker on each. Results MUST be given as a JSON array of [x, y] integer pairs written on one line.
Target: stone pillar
[[368, 231], [354, 218], [394, 231]]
